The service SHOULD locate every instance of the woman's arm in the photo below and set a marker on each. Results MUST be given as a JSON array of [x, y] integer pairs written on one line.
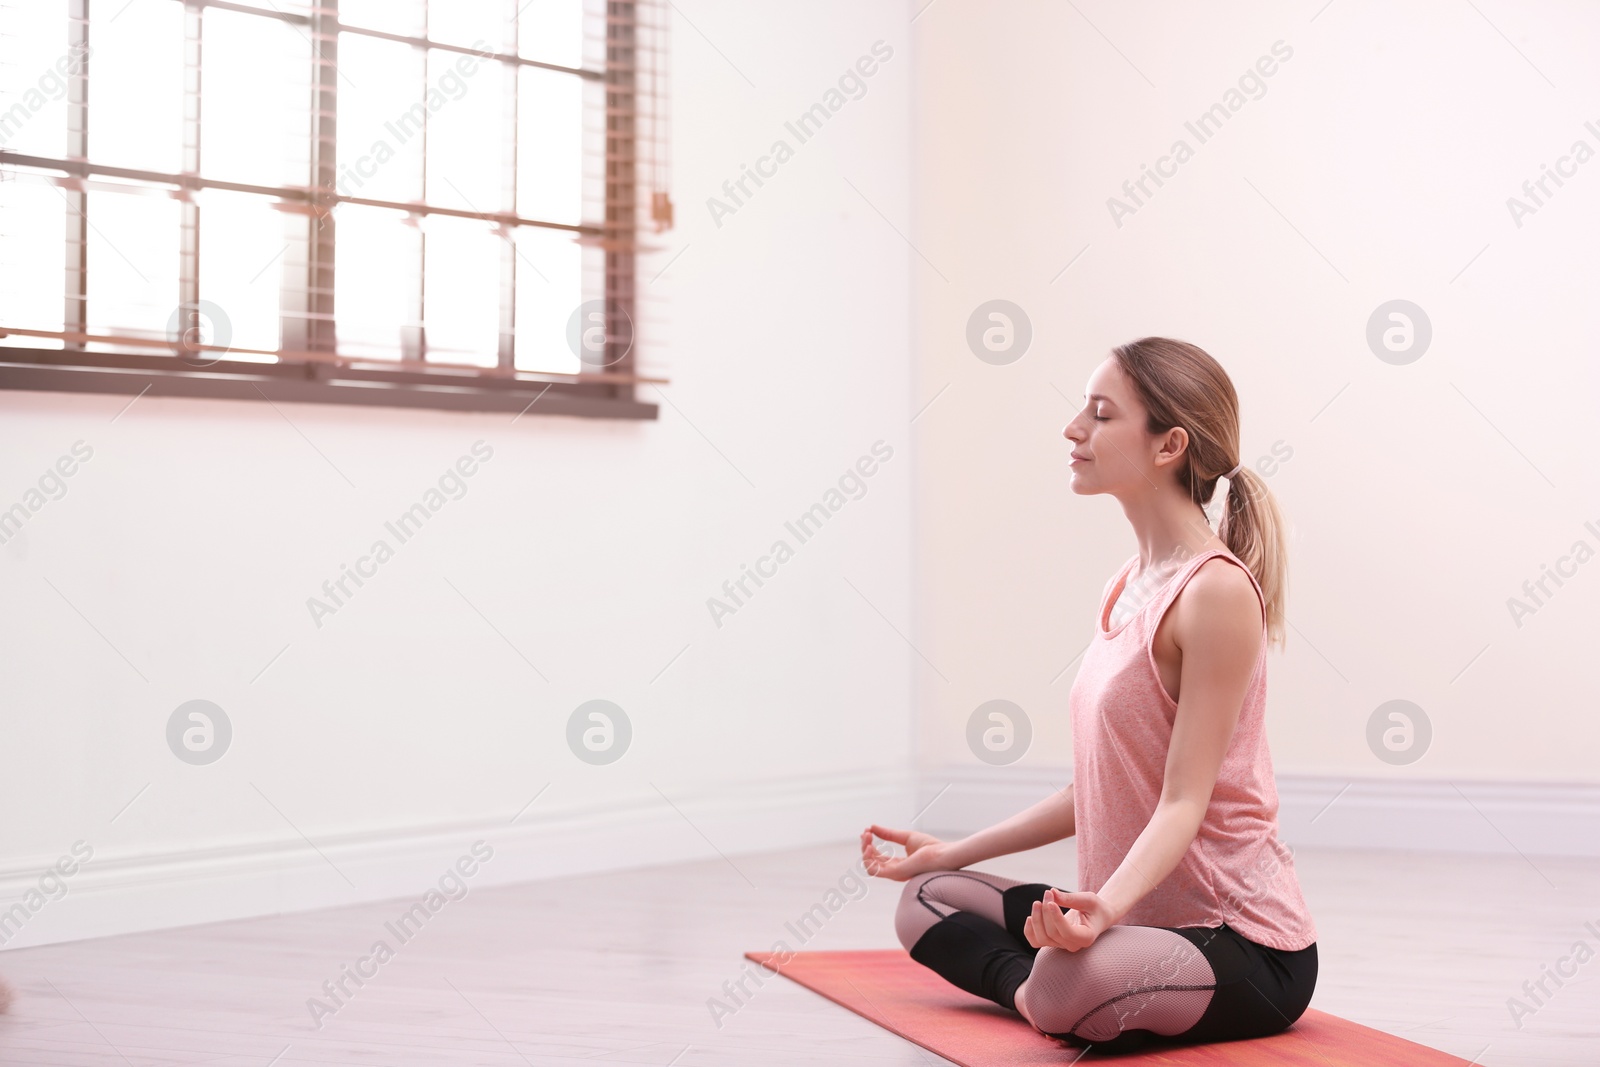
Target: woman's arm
[[1052, 819], [1217, 626], [1049, 820]]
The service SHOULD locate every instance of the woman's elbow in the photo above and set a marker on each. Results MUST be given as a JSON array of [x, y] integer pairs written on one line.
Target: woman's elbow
[[1183, 813]]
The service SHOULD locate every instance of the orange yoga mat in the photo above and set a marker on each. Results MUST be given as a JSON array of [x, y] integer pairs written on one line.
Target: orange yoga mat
[[904, 997]]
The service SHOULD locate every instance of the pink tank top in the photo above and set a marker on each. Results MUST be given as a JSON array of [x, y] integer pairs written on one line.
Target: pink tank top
[[1236, 871]]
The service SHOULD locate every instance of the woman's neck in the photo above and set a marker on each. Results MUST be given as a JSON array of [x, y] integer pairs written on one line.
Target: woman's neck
[[1169, 530]]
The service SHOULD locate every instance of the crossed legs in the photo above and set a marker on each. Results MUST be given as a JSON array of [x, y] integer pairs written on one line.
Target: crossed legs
[[968, 927]]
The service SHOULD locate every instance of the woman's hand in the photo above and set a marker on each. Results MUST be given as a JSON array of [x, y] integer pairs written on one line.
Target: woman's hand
[[1049, 927], [924, 852]]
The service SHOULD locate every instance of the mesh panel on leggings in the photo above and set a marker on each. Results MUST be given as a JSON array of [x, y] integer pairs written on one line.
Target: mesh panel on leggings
[[1131, 978], [929, 897]]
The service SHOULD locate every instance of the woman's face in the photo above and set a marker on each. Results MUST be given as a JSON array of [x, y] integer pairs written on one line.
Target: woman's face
[[1111, 450]]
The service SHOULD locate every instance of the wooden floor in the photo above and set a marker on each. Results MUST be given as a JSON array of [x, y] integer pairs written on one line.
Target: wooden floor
[[619, 969]]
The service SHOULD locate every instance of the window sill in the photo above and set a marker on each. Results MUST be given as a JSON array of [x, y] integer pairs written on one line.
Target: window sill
[[586, 396]]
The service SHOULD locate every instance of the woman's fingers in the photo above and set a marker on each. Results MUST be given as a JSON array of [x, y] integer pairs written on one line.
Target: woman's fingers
[[871, 858], [1080, 901], [1054, 921], [1074, 928], [1053, 927], [1041, 931], [1076, 938], [876, 863]]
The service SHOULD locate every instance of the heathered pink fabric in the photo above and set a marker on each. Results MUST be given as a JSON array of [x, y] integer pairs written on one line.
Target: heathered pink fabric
[[1236, 871]]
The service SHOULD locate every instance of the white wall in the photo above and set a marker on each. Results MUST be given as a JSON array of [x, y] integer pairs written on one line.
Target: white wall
[[1377, 165], [179, 562]]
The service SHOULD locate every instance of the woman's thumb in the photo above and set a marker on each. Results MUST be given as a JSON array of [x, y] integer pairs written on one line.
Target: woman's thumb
[[897, 836], [1070, 900]]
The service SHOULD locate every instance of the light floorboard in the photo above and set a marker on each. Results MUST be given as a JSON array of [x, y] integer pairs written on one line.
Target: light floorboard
[[619, 968]]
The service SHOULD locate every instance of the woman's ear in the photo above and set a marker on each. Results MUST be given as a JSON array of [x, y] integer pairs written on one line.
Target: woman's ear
[[1174, 443]]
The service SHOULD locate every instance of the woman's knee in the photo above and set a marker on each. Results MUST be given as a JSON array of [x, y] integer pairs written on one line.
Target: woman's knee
[[912, 917], [1067, 995], [1130, 978], [1039, 1000]]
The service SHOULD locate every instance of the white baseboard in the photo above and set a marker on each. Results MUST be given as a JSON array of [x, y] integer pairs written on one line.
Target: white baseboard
[[127, 893], [1431, 815]]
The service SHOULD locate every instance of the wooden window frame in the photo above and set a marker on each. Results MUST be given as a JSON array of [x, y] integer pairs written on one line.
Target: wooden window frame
[[308, 366]]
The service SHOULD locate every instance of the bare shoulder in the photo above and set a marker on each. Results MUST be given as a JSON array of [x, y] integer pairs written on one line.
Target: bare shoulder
[[1219, 606]]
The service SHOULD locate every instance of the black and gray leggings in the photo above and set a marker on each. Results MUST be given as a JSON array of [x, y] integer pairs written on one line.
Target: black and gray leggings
[[1135, 983]]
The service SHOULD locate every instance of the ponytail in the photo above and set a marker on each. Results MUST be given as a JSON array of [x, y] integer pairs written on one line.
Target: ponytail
[[1252, 528]]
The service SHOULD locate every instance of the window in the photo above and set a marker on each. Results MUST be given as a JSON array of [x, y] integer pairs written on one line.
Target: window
[[405, 202]]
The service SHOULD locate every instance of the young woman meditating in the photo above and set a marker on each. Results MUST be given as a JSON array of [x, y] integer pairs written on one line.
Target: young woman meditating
[[1188, 924]]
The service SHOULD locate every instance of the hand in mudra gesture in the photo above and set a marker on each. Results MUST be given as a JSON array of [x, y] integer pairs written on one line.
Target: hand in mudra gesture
[[924, 852], [1066, 920]]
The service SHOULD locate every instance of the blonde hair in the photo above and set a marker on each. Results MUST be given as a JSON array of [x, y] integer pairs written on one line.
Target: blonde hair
[[1181, 385]]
